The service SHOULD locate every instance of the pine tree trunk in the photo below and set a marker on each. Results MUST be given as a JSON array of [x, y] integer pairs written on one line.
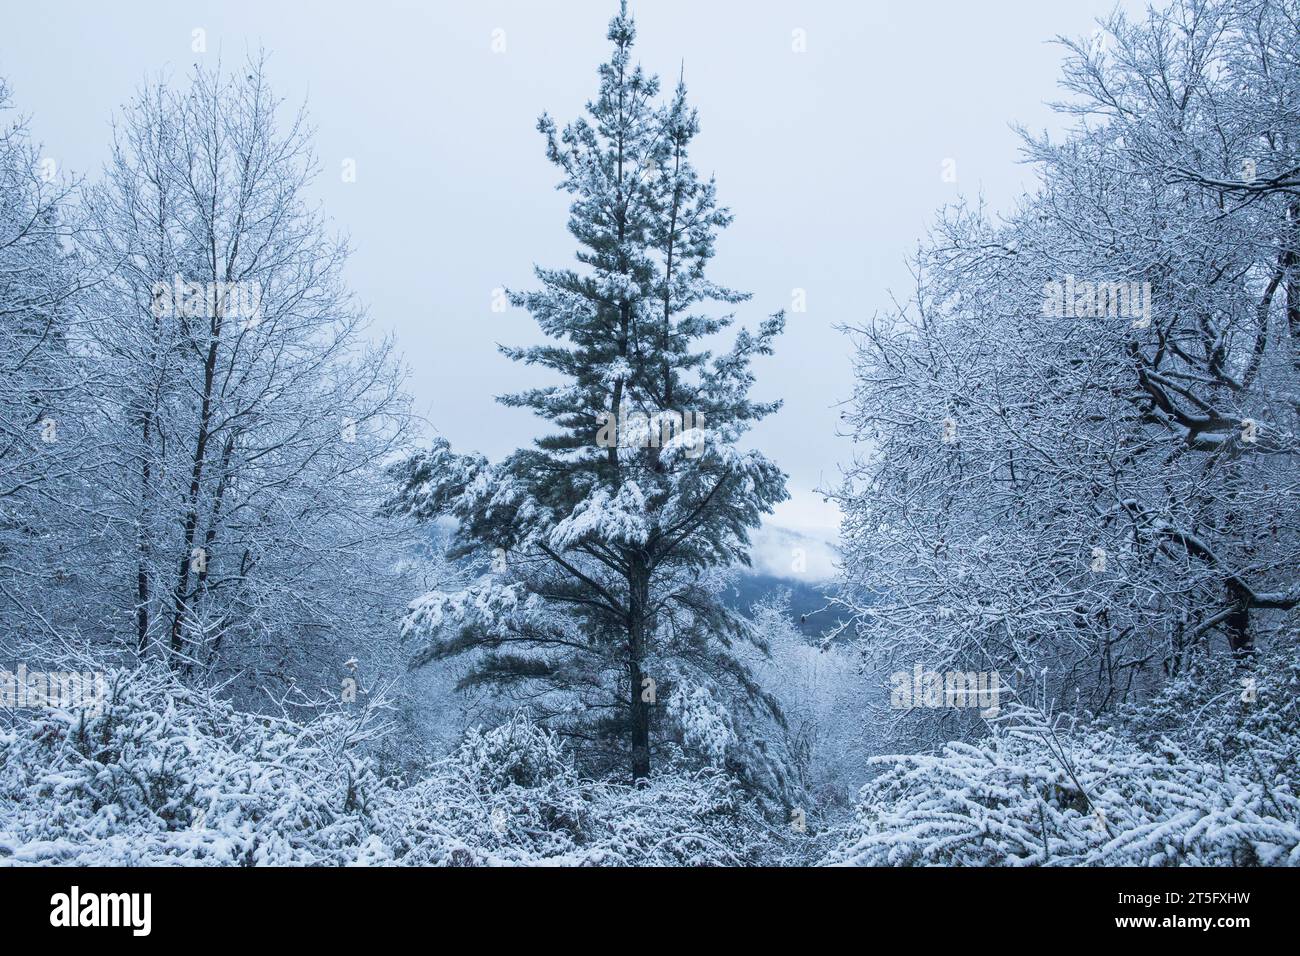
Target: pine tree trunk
[[640, 724], [640, 706]]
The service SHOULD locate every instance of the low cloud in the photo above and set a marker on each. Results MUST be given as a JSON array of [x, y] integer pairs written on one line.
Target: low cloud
[[799, 541]]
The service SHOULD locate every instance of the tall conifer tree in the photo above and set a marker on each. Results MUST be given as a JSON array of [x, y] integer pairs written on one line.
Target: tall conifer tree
[[602, 537]]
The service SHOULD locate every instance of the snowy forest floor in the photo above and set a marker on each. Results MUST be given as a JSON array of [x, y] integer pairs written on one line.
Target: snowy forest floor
[[164, 774]]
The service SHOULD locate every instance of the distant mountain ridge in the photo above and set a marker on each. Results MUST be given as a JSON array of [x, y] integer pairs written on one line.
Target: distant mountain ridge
[[808, 600]]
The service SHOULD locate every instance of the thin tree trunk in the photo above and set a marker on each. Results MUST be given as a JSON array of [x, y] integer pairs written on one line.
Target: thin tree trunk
[[181, 592], [142, 541], [1292, 262], [1240, 640]]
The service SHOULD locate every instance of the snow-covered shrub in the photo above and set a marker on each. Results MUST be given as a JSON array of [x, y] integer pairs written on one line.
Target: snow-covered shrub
[[169, 774], [1041, 792], [511, 796], [1243, 712], [517, 753]]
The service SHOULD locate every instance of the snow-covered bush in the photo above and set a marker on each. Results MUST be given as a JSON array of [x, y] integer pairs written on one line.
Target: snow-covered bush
[[167, 774], [1246, 714], [511, 796], [1148, 789]]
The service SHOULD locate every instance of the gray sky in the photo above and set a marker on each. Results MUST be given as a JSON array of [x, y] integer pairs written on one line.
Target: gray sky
[[830, 159]]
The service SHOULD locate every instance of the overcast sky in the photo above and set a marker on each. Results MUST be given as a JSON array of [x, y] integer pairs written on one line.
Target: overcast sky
[[830, 159]]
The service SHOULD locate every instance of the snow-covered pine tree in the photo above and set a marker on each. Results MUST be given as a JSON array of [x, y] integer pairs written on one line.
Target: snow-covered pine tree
[[603, 537]]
